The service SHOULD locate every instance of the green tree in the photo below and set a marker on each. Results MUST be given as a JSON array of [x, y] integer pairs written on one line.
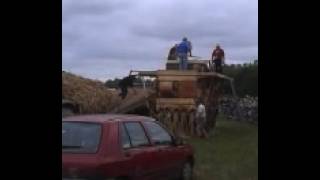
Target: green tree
[[245, 78]]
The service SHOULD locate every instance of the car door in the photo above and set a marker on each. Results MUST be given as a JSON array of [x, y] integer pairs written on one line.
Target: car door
[[169, 155], [138, 151]]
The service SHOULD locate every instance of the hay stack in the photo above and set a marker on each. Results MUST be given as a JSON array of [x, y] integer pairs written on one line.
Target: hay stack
[[92, 96]]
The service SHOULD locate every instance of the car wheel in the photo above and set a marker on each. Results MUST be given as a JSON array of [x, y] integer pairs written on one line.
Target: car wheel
[[187, 171]]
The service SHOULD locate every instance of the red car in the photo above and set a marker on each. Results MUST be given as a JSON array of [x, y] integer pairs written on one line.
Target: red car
[[114, 147]]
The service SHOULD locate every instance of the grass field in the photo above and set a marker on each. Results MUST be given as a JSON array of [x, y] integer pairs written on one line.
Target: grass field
[[230, 153]]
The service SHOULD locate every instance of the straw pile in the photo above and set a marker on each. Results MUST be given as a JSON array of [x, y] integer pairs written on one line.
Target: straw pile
[[92, 96]]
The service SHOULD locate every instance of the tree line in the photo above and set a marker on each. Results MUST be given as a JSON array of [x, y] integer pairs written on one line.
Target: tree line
[[245, 78]]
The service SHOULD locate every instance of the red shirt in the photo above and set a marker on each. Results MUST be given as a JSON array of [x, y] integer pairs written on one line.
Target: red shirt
[[218, 53]]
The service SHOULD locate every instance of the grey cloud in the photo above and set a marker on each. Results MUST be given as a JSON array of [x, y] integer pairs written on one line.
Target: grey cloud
[[73, 8], [138, 34]]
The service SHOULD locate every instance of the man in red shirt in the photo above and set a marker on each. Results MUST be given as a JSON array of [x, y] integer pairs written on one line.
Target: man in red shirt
[[218, 58]]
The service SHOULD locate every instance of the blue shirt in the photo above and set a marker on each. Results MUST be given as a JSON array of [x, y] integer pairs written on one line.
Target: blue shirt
[[183, 47]]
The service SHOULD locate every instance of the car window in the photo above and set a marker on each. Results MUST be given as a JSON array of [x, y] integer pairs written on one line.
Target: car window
[[80, 137], [158, 134], [125, 140], [136, 134]]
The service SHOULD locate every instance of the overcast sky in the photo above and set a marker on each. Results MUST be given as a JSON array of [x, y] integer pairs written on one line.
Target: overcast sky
[[104, 39]]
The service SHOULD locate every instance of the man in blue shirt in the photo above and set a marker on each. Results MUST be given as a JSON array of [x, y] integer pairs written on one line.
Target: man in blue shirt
[[182, 51]]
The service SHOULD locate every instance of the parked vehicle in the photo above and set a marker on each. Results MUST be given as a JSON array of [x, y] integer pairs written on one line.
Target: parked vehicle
[[122, 147], [69, 108]]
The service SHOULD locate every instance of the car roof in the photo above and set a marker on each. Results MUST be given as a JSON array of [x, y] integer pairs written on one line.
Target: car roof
[[103, 118]]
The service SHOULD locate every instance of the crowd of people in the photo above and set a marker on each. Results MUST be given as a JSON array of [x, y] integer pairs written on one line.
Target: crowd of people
[[243, 109]]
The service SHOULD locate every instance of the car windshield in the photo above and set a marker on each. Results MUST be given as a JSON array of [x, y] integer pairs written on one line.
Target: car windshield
[[79, 137]]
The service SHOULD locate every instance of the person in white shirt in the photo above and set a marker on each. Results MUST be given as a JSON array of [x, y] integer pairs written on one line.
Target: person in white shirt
[[201, 119]]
